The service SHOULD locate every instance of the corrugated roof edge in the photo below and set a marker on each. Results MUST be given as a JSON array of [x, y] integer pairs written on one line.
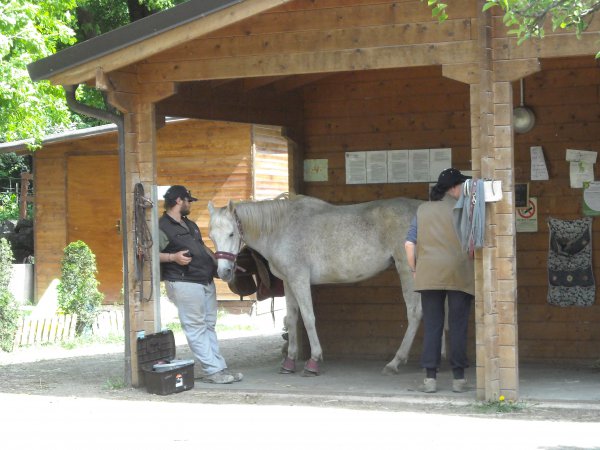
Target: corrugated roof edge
[[19, 146], [125, 36]]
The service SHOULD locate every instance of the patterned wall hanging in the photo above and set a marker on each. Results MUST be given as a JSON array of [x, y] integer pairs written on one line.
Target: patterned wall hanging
[[570, 272]]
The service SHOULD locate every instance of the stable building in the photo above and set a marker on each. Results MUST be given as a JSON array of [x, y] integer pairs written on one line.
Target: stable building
[[346, 76]]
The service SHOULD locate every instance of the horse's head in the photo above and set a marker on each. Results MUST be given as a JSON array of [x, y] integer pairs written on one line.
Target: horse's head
[[225, 235]]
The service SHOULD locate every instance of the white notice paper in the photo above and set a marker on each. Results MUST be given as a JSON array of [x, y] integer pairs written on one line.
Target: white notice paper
[[581, 172], [315, 170], [356, 169], [397, 166], [539, 171], [439, 159], [377, 166], [581, 155], [418, 166]]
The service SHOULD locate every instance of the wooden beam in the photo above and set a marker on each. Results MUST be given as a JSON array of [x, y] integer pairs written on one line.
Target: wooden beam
[[515, 69], [255, 83], [164, 41], [313, 62], [555, 46], [309, 36], [291, 83], [467, 73]]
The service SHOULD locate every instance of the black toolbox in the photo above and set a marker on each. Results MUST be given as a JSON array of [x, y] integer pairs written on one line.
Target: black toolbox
[[163, 374]]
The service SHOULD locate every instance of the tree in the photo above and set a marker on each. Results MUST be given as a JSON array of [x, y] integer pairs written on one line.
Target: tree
[[34, 29], [30, 30], [527, 18]]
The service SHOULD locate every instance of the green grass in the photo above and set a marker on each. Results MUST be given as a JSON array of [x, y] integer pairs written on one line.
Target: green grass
[[114, 383], [81, 341], [500, 406]]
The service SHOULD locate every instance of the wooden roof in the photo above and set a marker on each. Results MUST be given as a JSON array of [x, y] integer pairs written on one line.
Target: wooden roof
[[143, 38]]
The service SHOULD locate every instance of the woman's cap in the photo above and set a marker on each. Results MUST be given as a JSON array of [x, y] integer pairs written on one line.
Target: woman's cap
[[451, 177]]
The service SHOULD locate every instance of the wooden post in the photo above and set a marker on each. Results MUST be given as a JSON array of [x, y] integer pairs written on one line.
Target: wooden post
[[24, 197]]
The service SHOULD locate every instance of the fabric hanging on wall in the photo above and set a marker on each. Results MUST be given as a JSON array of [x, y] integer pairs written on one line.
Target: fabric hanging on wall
[[570, 273]]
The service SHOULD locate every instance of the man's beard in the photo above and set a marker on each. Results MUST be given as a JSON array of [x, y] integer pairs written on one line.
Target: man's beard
[[185, 210]]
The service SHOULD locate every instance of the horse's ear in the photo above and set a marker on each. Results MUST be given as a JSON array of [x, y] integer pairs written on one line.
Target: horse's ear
[[230, 206], [211, 207]]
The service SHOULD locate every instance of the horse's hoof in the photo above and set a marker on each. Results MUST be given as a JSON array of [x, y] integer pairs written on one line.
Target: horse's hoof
[[389, 370], [311, 368], [288, 366]]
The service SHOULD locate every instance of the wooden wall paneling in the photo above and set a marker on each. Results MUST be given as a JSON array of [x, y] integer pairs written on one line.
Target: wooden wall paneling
[[50, 231], [93, 210], [270, 162], [213, 160], [568, 121], [375, 110]]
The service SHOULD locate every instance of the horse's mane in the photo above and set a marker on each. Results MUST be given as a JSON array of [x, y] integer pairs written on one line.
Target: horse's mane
[[263, 216]]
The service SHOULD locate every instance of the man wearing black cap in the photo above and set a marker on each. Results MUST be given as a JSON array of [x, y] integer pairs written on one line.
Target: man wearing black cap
[[188, 268], [442, 269]]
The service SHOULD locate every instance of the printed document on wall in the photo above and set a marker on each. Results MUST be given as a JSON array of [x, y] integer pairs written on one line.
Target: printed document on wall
[[439, 159], [539, 171], [356, 168], [581, 166], [418, 166], [397, 166], [377, 166]]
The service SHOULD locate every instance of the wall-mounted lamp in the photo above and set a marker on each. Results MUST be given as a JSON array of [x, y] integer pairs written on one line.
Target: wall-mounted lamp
[[523, 117]]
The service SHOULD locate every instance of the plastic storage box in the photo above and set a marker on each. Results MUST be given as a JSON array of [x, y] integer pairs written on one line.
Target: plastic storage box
[[163, 374]]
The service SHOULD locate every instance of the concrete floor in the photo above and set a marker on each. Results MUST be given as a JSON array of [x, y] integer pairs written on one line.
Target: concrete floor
[[258, 358], [539, 383]]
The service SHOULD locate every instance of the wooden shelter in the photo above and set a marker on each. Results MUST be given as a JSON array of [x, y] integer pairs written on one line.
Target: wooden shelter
[[364, 75], [77, 187]]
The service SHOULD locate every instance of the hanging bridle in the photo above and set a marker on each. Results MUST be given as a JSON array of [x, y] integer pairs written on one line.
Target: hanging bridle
[[233, 256]]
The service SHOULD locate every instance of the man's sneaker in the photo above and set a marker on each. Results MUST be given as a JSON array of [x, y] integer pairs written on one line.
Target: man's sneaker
[[459, 385], [429, 386], [218, 378], [237, 376]]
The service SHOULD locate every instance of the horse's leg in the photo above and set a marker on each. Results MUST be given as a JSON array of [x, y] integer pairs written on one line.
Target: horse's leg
[[291, 322], [300, 287], [414, 315]]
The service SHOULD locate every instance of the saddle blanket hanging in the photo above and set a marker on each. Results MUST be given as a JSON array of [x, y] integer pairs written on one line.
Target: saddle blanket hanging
[[570, 272]]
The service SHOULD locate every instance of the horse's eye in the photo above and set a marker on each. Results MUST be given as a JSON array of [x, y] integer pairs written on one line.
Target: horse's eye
[[231, 234]]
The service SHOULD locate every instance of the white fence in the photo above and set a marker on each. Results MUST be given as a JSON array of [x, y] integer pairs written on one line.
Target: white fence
[[61, 328]]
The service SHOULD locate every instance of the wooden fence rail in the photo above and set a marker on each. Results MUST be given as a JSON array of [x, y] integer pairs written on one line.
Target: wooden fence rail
[[61, 328]]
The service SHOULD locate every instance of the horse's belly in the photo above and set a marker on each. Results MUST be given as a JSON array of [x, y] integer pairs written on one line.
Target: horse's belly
[[347, 272]]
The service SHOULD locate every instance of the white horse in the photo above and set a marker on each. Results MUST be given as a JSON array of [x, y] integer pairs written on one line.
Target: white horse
[[307, 242]]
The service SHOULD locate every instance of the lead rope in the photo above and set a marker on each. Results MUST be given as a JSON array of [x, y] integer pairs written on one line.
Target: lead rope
[[143, 238]]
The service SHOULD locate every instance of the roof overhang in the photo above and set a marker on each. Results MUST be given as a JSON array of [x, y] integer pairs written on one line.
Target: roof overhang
[[144, 38]]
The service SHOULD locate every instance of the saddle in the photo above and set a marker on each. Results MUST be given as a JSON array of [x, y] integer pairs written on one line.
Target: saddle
[[255, 277]]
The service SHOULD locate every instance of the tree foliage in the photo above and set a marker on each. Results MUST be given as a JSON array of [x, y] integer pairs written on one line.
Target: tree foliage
[[9, 310], [30, 30], [34, 29]]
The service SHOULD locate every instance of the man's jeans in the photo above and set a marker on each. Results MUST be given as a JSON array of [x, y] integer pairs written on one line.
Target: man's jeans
[[197, 307]]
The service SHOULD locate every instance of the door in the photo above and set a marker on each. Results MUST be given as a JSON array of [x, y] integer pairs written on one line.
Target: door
[[93, 216]]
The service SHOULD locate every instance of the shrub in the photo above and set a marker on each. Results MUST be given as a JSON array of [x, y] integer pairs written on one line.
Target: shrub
[[78, 288], [9, 206], [9, 311]]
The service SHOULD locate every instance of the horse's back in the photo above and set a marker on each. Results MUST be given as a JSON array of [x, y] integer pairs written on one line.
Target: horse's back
[[345, 243]]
